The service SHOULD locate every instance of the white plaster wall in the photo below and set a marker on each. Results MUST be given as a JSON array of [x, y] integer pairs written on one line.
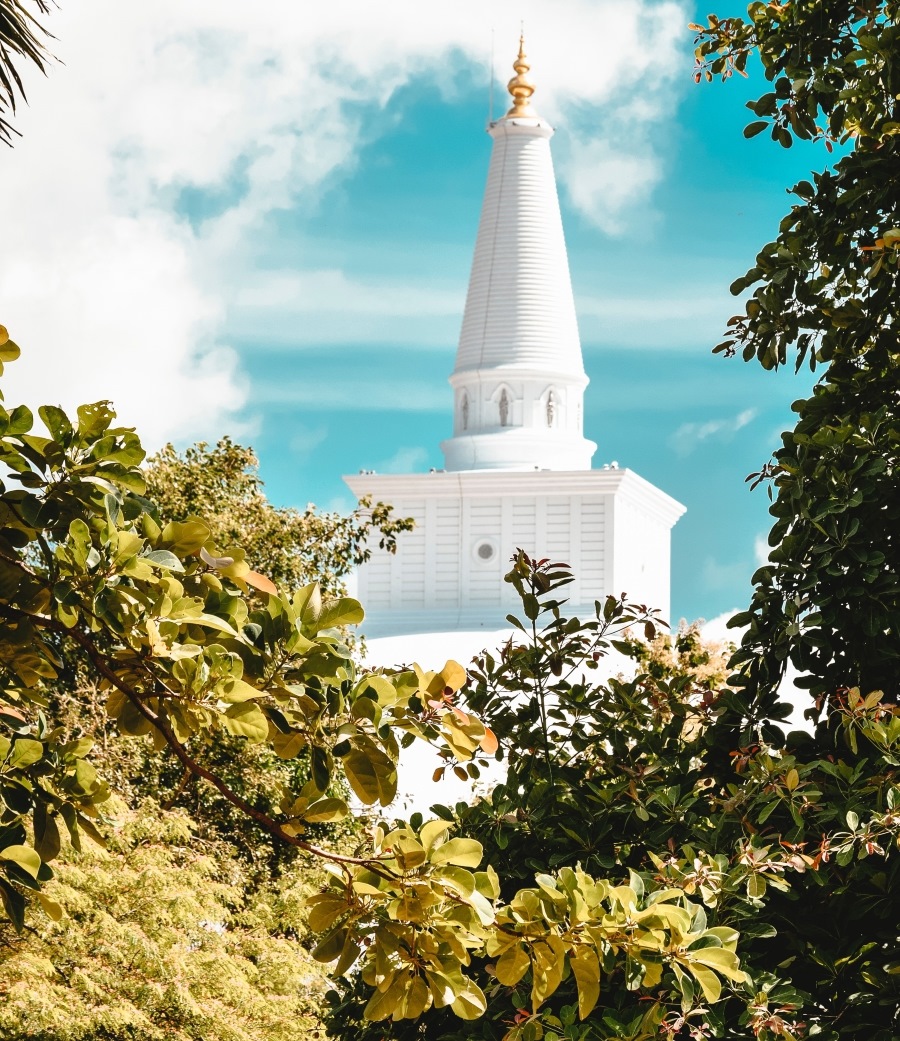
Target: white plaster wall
[[611, 527], [642, 562]]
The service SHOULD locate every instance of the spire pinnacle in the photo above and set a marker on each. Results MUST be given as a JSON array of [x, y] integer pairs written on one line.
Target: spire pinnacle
[[520, 86]]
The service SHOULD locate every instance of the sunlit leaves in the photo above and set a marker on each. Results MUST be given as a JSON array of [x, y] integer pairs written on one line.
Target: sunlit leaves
[[170, 622]]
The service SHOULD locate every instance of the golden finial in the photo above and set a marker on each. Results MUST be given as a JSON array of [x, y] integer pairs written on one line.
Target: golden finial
[[520, 86]]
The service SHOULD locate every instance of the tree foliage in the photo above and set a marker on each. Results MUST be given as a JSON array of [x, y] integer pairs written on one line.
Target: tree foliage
[[789, 849], [189, 644], [21, 37], [825, 292], [164, 936], [222, 484]]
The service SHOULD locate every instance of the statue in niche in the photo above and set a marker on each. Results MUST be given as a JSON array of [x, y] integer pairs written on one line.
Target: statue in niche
[[465, 411], [551, 409], [504, 408]]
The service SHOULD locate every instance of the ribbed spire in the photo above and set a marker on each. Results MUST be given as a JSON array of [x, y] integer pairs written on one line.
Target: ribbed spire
[[519, 378]]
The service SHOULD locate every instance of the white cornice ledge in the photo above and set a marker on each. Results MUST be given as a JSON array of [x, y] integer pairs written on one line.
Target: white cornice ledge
[[626, 484]]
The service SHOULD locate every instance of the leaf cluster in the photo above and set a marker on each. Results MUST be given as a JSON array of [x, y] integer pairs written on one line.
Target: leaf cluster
[[21, 37], [164, 936], [663, 784], [291, 547]]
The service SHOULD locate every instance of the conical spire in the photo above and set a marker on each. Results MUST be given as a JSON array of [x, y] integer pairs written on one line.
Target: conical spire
[[519, 378], [521, 87]]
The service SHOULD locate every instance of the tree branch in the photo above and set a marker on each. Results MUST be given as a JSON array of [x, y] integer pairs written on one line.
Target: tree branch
[[186, 759]]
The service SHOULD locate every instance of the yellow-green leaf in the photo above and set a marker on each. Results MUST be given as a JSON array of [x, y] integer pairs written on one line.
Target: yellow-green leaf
[[236, 691], [723, 961], [470, 1003], [431, 831], [548, 960], [325, 909], [462, 852], [371, 775], [246, 720], [24, 856], [25, 752], [512, 965], [586, 970], [708, 980], [335, 613], [325, 810], [51, 908], [387, 997]]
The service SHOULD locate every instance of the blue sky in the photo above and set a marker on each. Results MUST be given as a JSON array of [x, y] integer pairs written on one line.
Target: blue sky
[[283, 254]]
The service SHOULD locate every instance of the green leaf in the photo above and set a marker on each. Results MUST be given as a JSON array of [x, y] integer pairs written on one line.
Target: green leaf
[[47, 840], [387, 997], [325, 910], [371, 775], [325, 810], [236, 691], [57, 422], [26, 858], [756, 887], [163, 558], [466, 853], [25, 752], [756, 127], [336, 613], [512, 965], [186, 537], [13, 903], [246, 719], [321, 768], [470, 1002], [9, 351]]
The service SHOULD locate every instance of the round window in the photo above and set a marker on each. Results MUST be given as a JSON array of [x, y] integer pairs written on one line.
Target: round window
[[485, 551]]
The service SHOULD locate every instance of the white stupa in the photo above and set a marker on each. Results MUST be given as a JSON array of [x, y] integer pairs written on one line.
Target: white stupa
[[518, 467]]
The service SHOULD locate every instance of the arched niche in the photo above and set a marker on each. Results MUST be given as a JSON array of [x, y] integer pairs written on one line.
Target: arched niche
[[506, 407]]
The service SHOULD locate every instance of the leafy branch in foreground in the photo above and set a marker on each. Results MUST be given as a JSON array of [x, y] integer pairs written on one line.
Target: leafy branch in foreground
[[191, 645], [660, 788]]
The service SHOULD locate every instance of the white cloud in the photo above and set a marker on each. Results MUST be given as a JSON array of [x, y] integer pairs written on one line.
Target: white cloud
[[112, 294], [355, 395], [310, 308], [604, 183], [716, 629], [689, 435], [761, 550], [404, 461], [691, 316]]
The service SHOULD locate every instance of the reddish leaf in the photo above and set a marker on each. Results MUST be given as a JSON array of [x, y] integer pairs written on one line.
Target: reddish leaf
[[489, 742], [260, 582]]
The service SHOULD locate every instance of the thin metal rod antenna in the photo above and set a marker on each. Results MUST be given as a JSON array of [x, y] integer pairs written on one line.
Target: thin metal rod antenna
[[491, 84]]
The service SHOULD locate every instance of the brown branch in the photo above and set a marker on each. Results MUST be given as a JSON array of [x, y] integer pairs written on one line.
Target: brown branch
[[186, 777], [189, 763]]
